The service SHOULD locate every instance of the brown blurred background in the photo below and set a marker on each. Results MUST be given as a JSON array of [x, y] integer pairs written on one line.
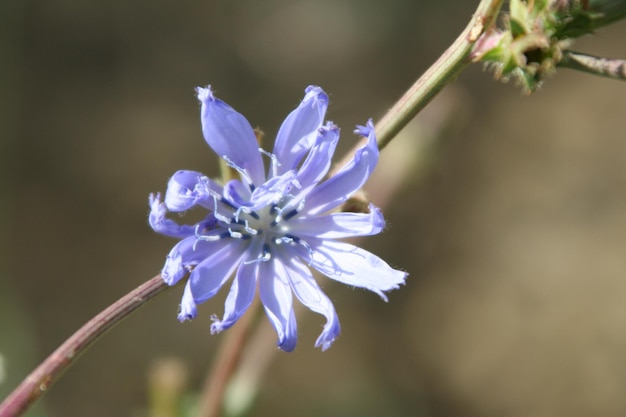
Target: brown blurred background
[[513, 230]]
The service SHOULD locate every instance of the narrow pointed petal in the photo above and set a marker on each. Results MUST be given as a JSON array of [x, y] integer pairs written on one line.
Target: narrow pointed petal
[[189, 188], [310, 294], [354, 266], [340, 225], [277, 300], [240, 296], [185, 255], [230, 135], [318, 161], [211, 274], [188, 307], [299, 130], [162, 224], [336, 190]]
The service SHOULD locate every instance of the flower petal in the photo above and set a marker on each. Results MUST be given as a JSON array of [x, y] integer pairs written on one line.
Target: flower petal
[[299, 130], [236, 193], [184, 256], [339, 225], [273, 190], [162, 224], [354, 266], [188, 307], [336, 190], [189, 188], [230, 135], [241, 294], [277, 301], [318, 161], [309, 293], [211, 274]]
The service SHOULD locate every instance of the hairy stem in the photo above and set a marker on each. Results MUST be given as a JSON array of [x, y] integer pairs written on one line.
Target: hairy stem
[[42, 378]]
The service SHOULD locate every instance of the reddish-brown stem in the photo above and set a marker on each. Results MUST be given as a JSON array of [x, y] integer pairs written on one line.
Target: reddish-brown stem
[[40, 380]]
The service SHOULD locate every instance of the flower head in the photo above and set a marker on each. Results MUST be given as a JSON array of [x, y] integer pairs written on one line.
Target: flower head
[[268, 227]]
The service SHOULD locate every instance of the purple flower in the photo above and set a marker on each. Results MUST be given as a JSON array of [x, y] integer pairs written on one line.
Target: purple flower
[[268, 227]]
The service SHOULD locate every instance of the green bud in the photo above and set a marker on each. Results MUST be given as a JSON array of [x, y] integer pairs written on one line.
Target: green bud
[[537, 32]]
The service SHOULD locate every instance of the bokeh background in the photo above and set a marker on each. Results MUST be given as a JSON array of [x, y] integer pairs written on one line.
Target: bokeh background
[[512, 223]]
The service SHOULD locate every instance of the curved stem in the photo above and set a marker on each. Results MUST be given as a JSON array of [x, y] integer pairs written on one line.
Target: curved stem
[[444, 70], [40, 380]]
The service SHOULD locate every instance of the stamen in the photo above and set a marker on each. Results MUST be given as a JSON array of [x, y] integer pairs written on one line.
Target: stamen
[[265, 256], [241, 209], [217, 215], [290, 214], [283, 239], [241, 171], [303, 243], [275, 162], [207, 185], [250, 230], [206, 238]]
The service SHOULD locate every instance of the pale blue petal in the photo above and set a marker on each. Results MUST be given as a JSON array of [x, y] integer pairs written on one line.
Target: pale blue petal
[[299, 130], [354, 266], [339, 225], [188, 307], [348, 180], [310, 294], [241, 294], [210, 275], [189, 188], [186, 254], [237, 193], [318, 161], [162, 224], [274, 189], [277, 300], [230, 135]]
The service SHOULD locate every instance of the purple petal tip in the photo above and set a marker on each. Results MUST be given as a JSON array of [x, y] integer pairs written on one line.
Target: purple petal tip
[[205, 93]]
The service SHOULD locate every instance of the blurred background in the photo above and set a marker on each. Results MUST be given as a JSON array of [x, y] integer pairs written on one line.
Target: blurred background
[[512, 223]]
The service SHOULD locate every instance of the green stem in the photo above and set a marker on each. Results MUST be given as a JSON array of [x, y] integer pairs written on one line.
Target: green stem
[[443, 71], [39, 381]]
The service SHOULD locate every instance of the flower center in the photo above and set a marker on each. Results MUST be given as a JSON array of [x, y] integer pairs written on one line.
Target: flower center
[[269, 223]]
